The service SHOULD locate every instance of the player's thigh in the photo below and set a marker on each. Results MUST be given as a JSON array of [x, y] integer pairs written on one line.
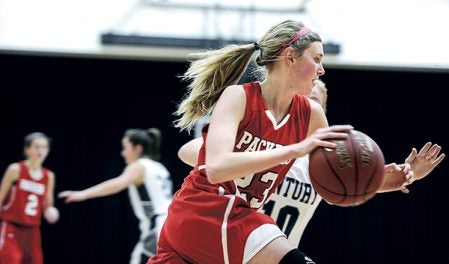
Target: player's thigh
[[272, 252], [10, 250]]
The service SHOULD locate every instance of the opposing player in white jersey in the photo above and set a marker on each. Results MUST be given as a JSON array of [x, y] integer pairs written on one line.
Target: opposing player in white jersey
[[294, 202], [149, 187]]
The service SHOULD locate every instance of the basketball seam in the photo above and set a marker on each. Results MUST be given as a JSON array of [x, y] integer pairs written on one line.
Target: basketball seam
[[372, 174], [329, 164], [356, 165]]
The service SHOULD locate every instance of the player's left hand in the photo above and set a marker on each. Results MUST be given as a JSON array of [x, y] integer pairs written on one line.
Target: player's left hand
[[423, 162]]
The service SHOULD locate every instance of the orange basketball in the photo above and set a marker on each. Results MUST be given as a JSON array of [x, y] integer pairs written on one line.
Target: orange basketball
[[349, 175]]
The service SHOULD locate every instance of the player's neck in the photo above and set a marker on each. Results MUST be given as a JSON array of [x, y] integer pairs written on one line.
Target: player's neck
[[33, 165]]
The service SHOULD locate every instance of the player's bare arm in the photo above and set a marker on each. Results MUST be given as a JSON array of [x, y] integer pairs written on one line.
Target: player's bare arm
[[11, 175], [133, 174]]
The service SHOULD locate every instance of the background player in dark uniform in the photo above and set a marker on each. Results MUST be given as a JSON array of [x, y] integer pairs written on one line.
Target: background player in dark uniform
[[26, 193]]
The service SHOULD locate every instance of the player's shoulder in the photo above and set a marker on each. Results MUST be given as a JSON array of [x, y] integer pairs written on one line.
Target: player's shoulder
[[13, 171], [234, 90], [14, 167], [50, 174], [314, 106], [162, 167], [318, 118], [153, 165], [232, 97], [138, 165]]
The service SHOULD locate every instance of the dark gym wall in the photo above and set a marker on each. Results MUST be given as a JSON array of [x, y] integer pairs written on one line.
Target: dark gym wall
[[399, 110], [85, 105]]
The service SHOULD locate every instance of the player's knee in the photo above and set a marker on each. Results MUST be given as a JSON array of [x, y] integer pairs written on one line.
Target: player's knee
[[296, 256]]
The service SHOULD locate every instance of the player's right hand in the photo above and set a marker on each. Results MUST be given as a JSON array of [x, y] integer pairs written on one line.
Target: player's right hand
[[72, 196]]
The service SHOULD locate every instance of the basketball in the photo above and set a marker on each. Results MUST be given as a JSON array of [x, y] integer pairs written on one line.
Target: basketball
[[349, 175], [51, 214]]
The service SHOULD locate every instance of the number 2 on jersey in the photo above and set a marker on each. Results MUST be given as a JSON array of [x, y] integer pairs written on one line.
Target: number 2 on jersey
[[32, 204]]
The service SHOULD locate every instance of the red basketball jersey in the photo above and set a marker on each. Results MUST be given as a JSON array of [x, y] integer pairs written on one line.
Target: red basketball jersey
[[25, 201], [218, 223], [259, 131]]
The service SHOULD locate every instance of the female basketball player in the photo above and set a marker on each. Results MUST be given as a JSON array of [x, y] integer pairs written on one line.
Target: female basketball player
[[256, 131], [149, 187], [293, 204], [26, 194]]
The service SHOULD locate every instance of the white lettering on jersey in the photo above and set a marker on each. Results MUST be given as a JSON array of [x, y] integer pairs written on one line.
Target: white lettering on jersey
[[33, 187], [249, 143], [253, 143], [268, 177], [245, 139], [297, 190]]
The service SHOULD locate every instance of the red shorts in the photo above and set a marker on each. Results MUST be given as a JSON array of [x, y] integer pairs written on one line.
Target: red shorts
[[20, 244], [204, 227]]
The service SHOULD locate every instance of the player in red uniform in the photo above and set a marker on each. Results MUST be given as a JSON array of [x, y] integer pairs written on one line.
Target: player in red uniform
[[256, 132], [26, 193], [294, 202]]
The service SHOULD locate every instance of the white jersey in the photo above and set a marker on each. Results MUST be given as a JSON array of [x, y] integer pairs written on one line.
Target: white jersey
[[150, 202], [293, 203]]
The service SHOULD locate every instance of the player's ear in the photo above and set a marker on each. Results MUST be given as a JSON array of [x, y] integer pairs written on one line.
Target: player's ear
[[139, 148], [290, 54]]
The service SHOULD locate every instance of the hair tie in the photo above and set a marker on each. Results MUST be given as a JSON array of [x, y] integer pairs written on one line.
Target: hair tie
[[256, 45]]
